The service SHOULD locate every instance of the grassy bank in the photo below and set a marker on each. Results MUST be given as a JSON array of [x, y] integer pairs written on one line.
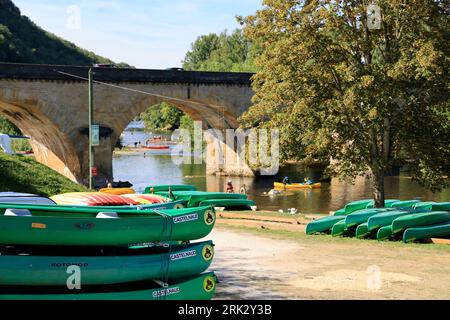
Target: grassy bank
[[24, 174]]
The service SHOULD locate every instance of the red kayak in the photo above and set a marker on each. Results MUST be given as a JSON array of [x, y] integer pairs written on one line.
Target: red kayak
[[157, 147]]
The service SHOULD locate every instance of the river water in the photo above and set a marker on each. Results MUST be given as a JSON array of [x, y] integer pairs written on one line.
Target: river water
[[156, 167]]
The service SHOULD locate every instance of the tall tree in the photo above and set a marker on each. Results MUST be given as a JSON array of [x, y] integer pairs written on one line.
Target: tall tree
[[365, 85], [224, 52]]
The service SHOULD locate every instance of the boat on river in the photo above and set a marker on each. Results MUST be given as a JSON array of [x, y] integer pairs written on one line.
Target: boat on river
[[295, 186]]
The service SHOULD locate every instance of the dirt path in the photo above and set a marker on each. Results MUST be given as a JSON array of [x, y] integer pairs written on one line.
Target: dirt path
[[251, 266]]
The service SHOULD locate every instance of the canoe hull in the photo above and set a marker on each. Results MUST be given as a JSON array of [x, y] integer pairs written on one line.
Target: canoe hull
[[65, 229], [194, 198], [384, 233], [201, 287], [323, 225], [227, 203], [436, 231], [361, 216], [384, 219], [175, 187], [420, 220], [39, 270]]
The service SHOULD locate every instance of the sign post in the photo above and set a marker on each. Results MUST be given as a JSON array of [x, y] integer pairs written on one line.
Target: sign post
[[91, 109]]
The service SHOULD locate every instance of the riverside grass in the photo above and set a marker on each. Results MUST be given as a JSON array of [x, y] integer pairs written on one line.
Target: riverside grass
[[20, 173]]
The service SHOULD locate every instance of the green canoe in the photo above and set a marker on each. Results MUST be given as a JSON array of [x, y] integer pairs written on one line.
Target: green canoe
[[173, 187], [362, 231], [338, 229], [388, 203], [434, 206], [323, 225], [420, 220], [366, 204], [361, 216], [424, 205], [435, 231], [31, 225], [385, 218], [227, 203], [405, 204], [194, 198], [384, 233], [201, 287], [357, 205], [340, 212], [34, 269], [146, 209]]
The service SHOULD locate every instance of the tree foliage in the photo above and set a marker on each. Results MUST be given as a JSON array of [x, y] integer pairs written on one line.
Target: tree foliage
[[162, 117], [22, 41], [6, 127], [221, 52], [367, 97]]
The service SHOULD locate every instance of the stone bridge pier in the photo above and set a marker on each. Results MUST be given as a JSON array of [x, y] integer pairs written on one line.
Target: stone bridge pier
[[50, 105]]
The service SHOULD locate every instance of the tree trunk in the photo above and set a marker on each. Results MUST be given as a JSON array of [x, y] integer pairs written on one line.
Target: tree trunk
[[378, 189]]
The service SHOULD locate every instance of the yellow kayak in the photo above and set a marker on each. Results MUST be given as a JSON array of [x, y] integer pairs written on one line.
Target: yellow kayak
[[117, 191], [293, 186]]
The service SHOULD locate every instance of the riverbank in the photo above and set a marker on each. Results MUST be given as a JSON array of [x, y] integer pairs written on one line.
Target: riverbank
[[23, 174], [256, 263]]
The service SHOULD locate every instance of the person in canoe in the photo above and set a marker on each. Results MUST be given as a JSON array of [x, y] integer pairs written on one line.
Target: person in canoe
[[230, 188], [308, 181]]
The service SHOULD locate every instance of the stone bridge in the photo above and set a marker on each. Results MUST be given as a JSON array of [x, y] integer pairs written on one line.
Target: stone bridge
[[49, 103]]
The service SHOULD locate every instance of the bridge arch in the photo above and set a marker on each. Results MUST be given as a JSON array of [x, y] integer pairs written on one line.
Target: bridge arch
[[50, 145], [50, 104]]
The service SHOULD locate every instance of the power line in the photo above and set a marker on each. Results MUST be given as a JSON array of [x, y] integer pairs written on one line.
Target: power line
[[219, 108]]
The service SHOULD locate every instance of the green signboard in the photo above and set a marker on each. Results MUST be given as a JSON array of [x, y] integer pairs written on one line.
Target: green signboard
[[95, 135]]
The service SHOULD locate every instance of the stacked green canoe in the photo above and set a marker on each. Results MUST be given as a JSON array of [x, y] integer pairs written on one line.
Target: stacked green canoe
[[410, 220], [119, 253], [214, 199], [171, 187]]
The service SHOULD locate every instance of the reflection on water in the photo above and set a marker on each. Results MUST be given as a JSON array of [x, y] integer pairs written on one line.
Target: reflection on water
[[159, 169]]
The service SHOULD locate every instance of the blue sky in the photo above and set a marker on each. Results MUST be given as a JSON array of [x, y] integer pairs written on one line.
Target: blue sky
[[144, 33]]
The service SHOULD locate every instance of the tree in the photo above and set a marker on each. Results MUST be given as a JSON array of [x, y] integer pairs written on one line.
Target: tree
[[340, 85], [162, 117], [223, 52]]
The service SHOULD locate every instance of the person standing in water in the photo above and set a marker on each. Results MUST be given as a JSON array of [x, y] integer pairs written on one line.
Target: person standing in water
[[286, 181], [230, 188]]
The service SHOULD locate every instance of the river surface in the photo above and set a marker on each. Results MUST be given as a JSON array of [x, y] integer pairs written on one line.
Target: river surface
[[156, 167]]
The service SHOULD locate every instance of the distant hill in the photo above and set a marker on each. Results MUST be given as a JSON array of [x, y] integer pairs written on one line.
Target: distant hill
[[22, 41]]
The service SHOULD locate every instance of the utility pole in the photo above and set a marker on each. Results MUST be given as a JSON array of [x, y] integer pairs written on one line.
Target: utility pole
[[91, 114]]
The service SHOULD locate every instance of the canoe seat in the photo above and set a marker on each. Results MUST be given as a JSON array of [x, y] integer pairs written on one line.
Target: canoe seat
[[107, 215], [18, 212]]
